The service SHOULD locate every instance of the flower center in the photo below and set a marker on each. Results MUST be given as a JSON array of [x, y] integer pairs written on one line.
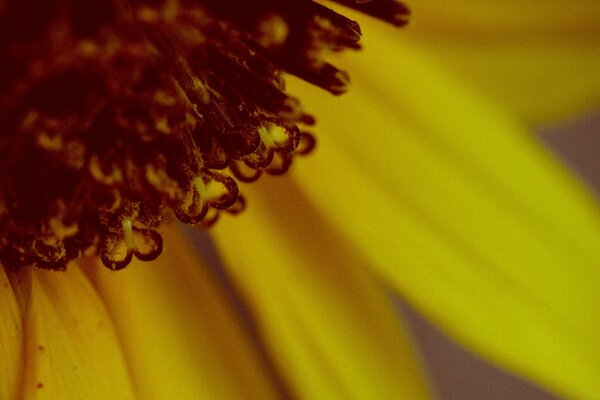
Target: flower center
[[116, 114]]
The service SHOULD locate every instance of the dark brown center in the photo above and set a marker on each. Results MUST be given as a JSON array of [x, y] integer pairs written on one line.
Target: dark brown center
[[115, 114]]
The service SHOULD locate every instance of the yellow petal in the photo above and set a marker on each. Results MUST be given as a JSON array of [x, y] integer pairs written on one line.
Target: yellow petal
[[11, 340], [539, 58], [179, 333], [329, 326], [511, 17], [70, 347], [463, 213]]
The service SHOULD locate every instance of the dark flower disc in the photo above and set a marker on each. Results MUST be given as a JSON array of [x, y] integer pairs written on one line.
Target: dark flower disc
[[115, 114]]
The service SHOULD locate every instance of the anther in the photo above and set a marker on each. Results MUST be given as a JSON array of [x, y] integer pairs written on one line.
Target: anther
[[129, 114]]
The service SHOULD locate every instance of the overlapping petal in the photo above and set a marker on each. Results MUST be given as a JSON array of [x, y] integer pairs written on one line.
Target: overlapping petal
[[539, 58], [181, 336], [463, 213], [509, 17], [67, 341], [417, 180], [329, 326], [11, 340]]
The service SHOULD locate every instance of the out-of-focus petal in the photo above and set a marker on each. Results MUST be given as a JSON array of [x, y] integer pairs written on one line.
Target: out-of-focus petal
[[329, 326], [541, 81], [539, 58], [11, 340], [509, 17], [70, 347], [179, 333], [459, 208]]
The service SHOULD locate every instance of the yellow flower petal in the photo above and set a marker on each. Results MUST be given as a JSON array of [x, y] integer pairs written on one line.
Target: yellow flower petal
[[510, 17], [329, 326], [541, 82], [11, 340], [539, 58], [461, 211], [178, 331], [70, 347]]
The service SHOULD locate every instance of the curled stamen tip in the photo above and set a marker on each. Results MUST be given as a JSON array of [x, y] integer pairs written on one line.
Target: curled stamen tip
[[114, 253], [149, 244], [401, 17], [159, 108], [392, 11], [117, 250], [338, 82]]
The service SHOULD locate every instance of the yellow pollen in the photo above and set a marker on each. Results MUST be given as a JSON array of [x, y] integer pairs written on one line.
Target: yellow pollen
[[48, 142], [162, 125], [116, 115], [114, 177], [88, 48], [147, 14], [273, 30], [60, 230]]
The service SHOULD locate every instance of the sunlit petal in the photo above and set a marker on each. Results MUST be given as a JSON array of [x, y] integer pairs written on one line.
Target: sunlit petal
[[462, 212], [329, 326], [70, 347], [11, 340], [179, 333]]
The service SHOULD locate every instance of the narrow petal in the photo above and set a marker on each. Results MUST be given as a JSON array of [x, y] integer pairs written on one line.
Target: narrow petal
[[180, 335], [70, 347], [11, 340], [328, 324], [540, 81], [464, 214], [512, 17], [541, 59]]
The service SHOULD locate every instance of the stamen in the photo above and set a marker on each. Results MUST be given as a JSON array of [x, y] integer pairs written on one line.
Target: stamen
[[117, 114], [387, 10]]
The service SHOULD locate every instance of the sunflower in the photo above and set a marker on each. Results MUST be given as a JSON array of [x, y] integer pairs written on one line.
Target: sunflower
[[421, 184]]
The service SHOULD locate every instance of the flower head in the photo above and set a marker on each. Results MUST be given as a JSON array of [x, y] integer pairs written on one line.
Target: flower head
[[116, 113], [422, 184]]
